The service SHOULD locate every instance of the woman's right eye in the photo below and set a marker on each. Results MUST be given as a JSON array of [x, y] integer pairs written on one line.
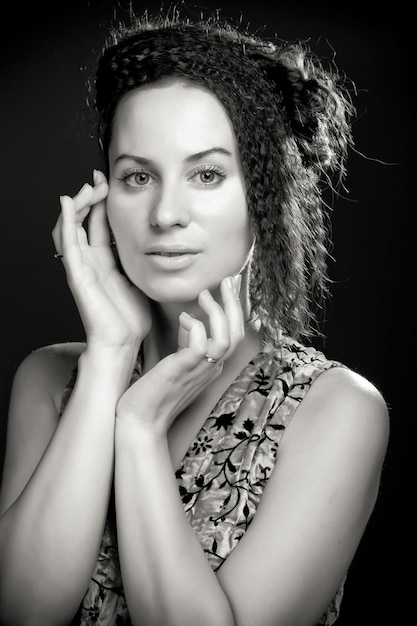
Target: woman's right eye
[[137, 179]]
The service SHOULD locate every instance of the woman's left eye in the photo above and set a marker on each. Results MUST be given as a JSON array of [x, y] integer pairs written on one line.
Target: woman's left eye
[[208, 175]]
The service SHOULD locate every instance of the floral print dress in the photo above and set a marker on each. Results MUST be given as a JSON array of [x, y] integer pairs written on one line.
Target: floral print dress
[[222, 476]]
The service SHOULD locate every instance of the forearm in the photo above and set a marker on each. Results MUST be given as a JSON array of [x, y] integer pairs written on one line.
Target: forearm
[[167, 577], [49, 538]]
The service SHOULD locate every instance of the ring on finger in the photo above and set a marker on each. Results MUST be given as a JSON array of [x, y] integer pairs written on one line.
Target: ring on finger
[[210, 359]]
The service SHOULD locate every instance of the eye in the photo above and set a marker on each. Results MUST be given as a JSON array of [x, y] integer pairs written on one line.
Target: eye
[[137, 178], [208, 175]]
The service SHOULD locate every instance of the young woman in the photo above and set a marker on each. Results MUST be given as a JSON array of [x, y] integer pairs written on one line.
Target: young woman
[[195, 461]]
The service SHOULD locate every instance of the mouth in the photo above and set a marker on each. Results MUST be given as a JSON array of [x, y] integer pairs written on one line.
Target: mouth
[[171, 254], [171, 260]]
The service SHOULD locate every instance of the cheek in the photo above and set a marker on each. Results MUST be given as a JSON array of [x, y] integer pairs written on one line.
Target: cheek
[[233, 241], [234, 227], [122, 216]]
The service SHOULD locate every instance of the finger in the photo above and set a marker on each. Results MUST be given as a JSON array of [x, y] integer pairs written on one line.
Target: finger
[[73, 235], [58, 228], [57, 235], [229, 289], [83, 201], [99, 177], [88, 196], [219, 340], [183, 331], [98, 228], [195, 332]]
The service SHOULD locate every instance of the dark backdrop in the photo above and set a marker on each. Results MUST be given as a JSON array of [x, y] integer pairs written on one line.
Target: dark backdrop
[[46, 151]]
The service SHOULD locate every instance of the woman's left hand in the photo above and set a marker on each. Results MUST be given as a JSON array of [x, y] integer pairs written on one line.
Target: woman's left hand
[[172, 384]]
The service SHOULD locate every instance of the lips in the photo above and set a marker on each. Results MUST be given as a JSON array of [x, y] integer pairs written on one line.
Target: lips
[[171, 253], [170, 259], [170, 250]]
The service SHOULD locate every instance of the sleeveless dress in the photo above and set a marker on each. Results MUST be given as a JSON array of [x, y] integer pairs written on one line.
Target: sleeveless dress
[[224, 472]]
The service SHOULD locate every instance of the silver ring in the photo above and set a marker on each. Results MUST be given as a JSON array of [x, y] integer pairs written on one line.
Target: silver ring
[[57, 255], [210, 359]]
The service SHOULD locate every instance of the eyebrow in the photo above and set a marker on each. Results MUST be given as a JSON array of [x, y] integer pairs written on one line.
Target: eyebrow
[[190, 159], [200, 155]]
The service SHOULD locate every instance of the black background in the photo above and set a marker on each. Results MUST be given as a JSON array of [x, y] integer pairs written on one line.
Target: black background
[[47, 55]]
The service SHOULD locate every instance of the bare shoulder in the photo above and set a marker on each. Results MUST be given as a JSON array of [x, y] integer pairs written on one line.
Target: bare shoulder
[[350, 391], [344, 406], [48, 369], [341, 382], [35, 401]]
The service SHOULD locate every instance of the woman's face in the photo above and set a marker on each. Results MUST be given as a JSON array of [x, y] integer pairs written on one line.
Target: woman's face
[[177, 201]]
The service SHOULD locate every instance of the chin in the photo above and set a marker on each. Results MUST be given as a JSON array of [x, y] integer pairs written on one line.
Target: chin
[[168, 294], [171, 291]]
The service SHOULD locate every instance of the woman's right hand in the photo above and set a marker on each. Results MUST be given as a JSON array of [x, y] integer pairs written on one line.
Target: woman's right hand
[[113, 311]]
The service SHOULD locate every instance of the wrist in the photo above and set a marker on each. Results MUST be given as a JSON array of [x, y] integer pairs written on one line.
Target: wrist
[[133, 431], [107, 354], [115, 363]]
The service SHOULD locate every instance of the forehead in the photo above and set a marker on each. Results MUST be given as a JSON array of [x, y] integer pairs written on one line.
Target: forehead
[[177, 113]]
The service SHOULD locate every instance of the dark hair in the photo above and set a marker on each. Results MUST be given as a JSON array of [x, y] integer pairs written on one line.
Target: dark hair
[[291, 117]]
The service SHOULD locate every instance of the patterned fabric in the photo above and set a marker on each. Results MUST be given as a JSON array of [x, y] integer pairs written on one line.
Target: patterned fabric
[[222, 476]]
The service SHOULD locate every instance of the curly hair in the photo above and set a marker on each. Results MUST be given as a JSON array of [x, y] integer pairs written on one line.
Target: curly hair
[[291, 117]]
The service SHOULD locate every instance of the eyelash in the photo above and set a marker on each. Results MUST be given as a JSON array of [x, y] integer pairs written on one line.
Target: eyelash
[[201, 168], [132, 172], [215, 169]]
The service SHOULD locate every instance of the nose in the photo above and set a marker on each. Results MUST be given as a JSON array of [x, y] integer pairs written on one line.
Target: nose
[[169, 208]]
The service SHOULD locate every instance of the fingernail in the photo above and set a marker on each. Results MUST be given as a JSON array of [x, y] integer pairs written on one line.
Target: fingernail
[[206, 294], [85, 186], [185, 319], [98, 177], [237, 283], [234, 282]]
